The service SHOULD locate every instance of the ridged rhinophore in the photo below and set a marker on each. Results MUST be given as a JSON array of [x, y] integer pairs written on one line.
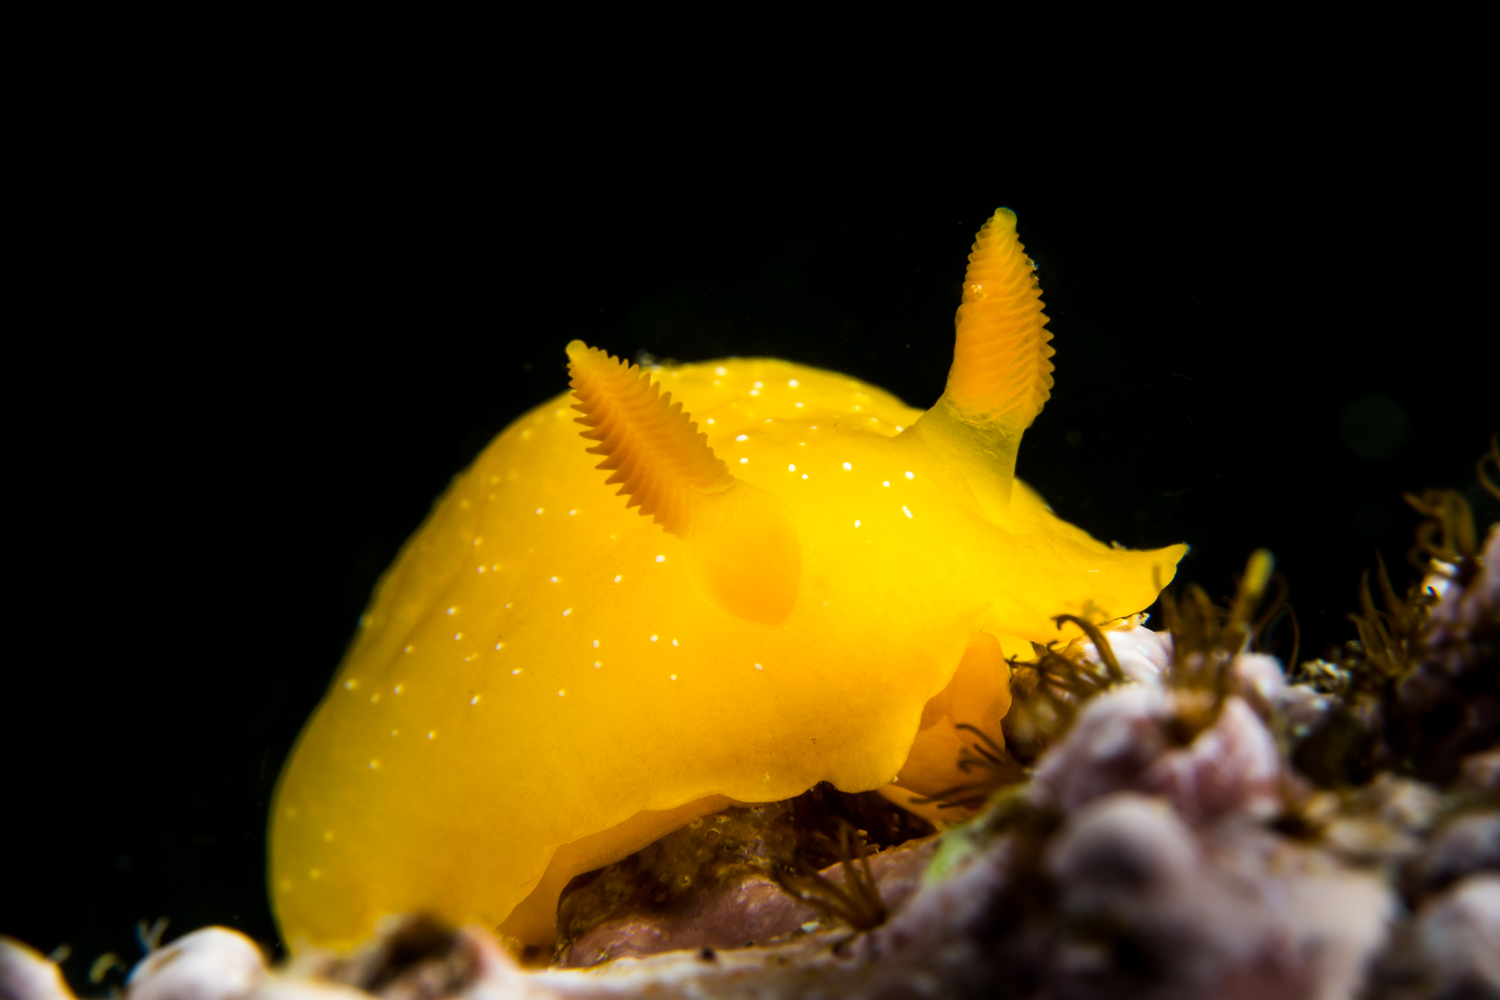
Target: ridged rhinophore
[[654, 448], [1001, 372]]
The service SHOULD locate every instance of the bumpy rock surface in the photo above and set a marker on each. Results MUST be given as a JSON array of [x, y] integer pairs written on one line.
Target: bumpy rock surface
[[1129, 867], [1165, 848]]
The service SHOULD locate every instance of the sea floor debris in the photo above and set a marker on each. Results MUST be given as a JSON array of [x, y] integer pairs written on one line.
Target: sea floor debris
[[1203, 826]]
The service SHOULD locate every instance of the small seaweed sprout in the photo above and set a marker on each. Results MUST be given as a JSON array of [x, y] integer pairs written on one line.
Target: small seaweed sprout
[[1447, 542], [1417, 688], [995, 766], [857, 902], [1206, 639], [1265, 633], [1112, 673], [1049, 690], [103, 966], [1447, 536], [1389, 637], [149, 936], [1489, 458]]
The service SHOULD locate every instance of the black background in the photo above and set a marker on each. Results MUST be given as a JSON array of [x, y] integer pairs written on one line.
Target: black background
[[255, 355]]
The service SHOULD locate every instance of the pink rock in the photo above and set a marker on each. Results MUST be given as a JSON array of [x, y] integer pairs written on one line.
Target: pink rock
[[752, 911], [214, 963], [1226, 912], [1464, 613], [1120, 742], [1232, 766], [27, 975], [1259, 677], [1143, 655], [285, 988], [1459, 935]]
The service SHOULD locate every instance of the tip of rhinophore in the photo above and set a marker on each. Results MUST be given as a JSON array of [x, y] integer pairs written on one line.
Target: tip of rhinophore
[[576, 349], [1004, 218], [1001, 373]]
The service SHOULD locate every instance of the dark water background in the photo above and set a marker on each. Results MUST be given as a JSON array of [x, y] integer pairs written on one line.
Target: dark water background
[[249, 384]]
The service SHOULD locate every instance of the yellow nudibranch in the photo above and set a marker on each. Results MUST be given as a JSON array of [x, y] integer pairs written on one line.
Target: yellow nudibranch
[[827, 584]]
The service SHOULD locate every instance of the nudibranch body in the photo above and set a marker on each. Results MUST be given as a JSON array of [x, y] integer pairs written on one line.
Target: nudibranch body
[[829, 580]]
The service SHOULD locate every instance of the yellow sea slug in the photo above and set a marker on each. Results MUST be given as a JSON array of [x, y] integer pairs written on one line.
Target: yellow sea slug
[[828, 581]]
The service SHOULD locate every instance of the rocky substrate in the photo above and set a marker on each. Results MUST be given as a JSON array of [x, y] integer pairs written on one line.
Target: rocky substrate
[[1167, 846]]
